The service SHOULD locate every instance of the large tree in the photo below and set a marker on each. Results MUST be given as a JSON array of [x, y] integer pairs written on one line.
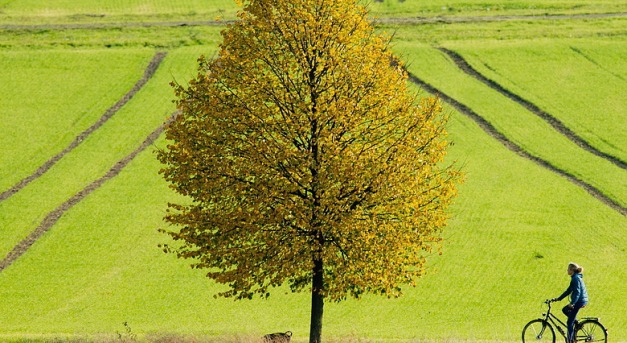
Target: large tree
[[306, 159]]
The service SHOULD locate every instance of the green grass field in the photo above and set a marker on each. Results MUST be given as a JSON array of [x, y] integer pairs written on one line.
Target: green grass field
[[503, 254], [514, 226], [521, 126], [89, 11], [580, 91], [36, 86], [90, 160]]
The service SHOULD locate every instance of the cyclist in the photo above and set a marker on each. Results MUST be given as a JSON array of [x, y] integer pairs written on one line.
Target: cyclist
[[578, 297]]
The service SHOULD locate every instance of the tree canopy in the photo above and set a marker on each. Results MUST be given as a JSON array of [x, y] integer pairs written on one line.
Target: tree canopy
[[306, 158]]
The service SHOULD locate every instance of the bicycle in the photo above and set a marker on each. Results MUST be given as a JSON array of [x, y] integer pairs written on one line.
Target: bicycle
[[588, 329]]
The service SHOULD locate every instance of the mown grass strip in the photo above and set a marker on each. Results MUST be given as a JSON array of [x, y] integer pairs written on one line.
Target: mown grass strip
[[377, 21], [148, 73], [107, 11], [553, 121], [492, 131], [170, 37], [55, 215], [82, 11]]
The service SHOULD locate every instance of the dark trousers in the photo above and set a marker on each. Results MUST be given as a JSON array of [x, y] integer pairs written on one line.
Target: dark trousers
[[571, 314]]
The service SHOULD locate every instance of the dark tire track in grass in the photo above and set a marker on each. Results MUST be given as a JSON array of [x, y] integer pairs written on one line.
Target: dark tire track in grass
[[57, 213], [378, 21], [553, 121], [492, 131], [148, 73]]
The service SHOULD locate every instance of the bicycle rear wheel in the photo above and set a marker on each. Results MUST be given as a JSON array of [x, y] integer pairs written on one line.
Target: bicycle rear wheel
[[591, 331], [538, 331]]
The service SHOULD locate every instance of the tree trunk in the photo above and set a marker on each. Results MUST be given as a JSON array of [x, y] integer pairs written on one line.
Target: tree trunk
[[317, 303]]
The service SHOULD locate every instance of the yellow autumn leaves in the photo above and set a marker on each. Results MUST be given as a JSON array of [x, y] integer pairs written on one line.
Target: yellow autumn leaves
[[299, 142]]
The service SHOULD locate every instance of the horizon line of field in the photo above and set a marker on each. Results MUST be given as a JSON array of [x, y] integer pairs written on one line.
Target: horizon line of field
[[375, 21], [53, 216]]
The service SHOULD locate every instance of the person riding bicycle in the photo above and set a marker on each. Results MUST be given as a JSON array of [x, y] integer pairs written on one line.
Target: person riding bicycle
[[578, 297]]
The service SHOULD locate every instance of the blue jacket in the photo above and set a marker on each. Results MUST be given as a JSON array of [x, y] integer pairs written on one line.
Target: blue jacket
[[577, 291]]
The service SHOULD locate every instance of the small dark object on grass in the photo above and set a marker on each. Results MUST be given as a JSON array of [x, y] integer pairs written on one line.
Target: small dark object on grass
[[278, 337]]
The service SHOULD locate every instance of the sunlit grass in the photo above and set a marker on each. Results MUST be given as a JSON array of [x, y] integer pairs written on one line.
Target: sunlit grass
[[583, 90], [503, 254], [33, 12], [514, 226], [96, 155], [49, 97], [517, 123]]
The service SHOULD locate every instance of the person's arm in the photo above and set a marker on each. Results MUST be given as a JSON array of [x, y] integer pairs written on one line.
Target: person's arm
[[567, 292]]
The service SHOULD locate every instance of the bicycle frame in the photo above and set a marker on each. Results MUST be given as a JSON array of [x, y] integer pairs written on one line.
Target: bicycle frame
[[551, 318]]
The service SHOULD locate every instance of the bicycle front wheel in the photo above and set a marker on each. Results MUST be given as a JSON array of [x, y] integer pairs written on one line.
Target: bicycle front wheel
[[538, 331], [591, 331]]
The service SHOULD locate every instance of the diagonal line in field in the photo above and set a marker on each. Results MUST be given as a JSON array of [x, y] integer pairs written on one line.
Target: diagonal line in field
[[493, 132], [57, 213], [148, 73], [597, 64], [553, 121]]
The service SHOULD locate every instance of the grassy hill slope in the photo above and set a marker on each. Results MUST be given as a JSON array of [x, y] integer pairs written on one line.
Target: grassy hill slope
[[521, 126], [513, 229], [38, 119], [584, 88]]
